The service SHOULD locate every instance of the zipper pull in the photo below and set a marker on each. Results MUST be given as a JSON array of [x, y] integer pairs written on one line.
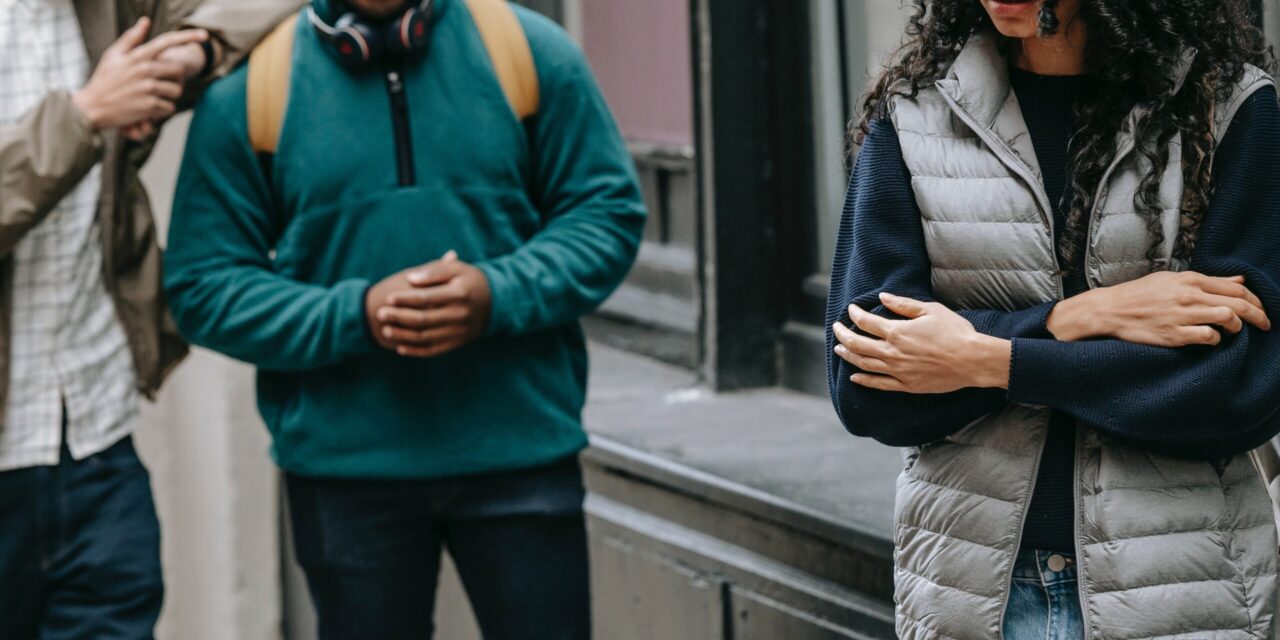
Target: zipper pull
[[393, 82]]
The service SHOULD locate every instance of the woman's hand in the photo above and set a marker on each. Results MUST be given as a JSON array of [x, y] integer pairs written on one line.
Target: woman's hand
[[934, 350], [1163, 309]]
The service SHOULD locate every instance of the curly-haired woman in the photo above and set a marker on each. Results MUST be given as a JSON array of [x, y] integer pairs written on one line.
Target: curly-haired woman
[[1051, 284]]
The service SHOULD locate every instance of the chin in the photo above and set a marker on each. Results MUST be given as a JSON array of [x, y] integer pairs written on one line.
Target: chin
[[1014, 18], [378, 9]]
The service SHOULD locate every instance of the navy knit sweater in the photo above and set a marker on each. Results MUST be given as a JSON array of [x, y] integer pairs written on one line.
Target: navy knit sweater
[[1203, 402]]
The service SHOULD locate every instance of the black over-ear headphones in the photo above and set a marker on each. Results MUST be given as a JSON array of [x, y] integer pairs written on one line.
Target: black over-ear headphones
[[358, 42]]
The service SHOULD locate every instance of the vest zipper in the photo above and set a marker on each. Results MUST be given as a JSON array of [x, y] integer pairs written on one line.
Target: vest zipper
[[1022, 523], [405, 171], [1078, 508]]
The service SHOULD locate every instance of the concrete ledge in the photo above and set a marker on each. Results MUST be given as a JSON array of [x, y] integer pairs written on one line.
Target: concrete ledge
[[778, 453], [762, 492]]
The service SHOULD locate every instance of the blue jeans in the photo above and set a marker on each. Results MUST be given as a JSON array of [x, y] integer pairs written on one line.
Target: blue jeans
[[80, 550], [371, 552], [1043, 603]]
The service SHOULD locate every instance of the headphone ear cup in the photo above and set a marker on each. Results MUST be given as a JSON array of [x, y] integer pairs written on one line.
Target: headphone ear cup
[[357, 45], [409, 33]]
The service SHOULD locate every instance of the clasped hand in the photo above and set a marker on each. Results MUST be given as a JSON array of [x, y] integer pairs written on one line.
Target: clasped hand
[[936, 350], [430, 310]]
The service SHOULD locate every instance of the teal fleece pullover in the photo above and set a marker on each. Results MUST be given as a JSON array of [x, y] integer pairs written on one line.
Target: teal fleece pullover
[[275, 273]]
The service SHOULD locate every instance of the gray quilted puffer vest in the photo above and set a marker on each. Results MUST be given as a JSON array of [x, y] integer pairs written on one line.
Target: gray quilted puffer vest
[[1167, 547]]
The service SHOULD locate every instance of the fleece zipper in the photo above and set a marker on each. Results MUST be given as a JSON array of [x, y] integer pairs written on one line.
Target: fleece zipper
[[405, 170]]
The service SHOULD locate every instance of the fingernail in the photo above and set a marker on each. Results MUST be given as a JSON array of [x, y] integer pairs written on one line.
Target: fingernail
[[386, 332], [451, 255], [841, 350], [384, 315]]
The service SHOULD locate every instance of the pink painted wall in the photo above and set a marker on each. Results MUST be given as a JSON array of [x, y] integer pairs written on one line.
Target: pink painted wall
[[639, 50]]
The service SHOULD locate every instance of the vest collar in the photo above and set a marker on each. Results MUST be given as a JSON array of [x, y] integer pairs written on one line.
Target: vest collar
[[979, 78], [978, 86]]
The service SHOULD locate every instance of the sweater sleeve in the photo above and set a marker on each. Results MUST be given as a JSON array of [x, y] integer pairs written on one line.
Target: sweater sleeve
[[881, 247], [1193, 401], [585, 185], [219, 274]]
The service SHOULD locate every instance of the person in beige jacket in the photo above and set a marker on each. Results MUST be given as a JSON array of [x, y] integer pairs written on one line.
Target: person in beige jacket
[[84, 332]]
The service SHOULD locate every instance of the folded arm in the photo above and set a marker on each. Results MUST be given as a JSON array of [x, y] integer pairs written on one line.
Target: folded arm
[[880, 247], [1165, 398], [1157, 396]]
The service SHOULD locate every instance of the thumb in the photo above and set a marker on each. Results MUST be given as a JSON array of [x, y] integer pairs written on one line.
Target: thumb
[[905, 307], [436, 272], [133, 37]]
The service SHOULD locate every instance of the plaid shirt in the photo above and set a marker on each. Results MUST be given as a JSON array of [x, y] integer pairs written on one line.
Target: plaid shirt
[[68, 347]]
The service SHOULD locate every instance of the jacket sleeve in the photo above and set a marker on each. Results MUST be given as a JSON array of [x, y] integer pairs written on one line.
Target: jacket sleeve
[[584, 184], [1193, 401], [43, 155], [237, 24], [880, 247], [219, 276]]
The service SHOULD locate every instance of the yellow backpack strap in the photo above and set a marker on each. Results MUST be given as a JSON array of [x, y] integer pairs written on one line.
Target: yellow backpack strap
[[510, 53], [270, 65]]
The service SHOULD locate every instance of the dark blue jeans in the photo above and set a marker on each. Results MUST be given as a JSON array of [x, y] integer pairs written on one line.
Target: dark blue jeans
[[80, 550], [371, 552]]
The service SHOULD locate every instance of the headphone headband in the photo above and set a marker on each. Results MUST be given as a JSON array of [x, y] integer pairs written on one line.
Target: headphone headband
[[358, 42]]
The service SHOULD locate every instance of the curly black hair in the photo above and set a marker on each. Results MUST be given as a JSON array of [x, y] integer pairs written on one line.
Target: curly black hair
[[1131, 45]]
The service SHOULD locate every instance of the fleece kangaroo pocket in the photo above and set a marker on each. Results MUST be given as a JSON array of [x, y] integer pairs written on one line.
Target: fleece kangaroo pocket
[[379, 235]]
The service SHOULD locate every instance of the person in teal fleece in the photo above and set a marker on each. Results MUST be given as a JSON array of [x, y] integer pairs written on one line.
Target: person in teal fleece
[[407, 274]]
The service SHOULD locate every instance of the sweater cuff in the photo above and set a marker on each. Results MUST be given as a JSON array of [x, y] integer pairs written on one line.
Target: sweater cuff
[[503, 294], [355, 335], [1039, 371]]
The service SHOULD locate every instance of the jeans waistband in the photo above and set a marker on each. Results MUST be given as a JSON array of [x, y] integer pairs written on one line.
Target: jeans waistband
[[1044, 567]]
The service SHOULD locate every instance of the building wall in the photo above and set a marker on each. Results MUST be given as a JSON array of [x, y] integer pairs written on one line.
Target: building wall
[[639, 51]]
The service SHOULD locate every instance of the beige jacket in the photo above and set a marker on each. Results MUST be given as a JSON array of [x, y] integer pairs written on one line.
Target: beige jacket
[[46, 153]]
